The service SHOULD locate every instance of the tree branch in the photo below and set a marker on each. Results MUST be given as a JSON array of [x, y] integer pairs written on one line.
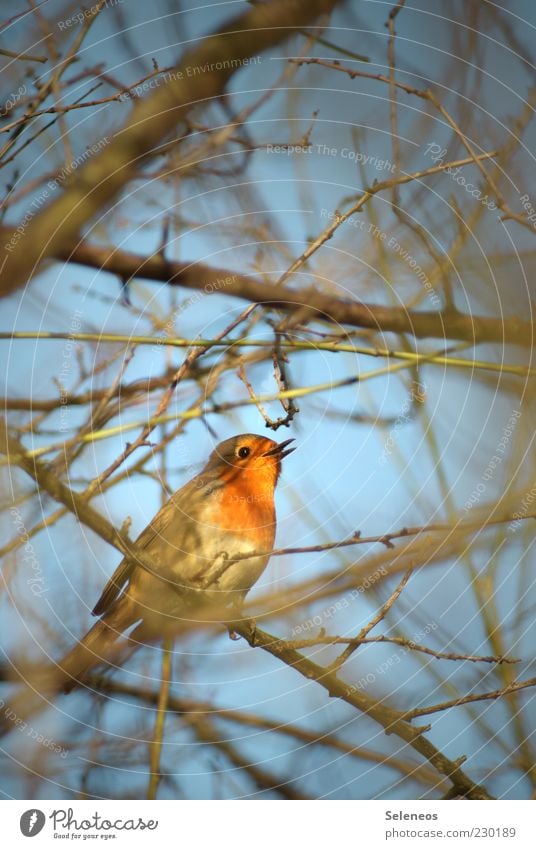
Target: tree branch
[[246, 719], [107, 173], [430, 324], [392, 721]]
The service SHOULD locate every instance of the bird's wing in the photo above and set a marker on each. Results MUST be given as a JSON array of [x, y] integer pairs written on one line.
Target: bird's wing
[[176, 505], [113, 587]]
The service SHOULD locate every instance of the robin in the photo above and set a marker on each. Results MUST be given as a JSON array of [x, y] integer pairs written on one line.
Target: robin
[[224, 512]]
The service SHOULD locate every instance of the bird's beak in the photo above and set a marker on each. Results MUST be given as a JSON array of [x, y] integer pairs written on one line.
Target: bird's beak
[[279, 450]]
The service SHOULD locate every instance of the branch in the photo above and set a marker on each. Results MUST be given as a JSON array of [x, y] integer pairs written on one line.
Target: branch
[[193, 355], [336, 346], [470, 328], [262, 778], [394, 722], [184, 707], [386, 539], [464, 700], [428, 95], [73, 501], [381, 614], [29, 57], [161, 708], [423, 551], [152, 119], [326, 640]]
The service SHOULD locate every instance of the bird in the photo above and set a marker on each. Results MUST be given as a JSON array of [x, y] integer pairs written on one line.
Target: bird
[[198, 544]]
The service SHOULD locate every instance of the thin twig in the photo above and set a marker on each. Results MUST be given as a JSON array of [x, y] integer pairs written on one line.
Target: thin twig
[[393, 110], [387, 539], [380, 615], [241, 374], [29, 57], [476, 697], [432, 357], [165, 400], [326, 640], [428, 95]]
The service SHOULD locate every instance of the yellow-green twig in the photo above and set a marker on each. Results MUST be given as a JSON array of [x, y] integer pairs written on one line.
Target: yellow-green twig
[[298, 345]]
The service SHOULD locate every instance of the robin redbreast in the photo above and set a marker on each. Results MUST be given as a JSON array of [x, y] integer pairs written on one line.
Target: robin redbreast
[[225, 511]]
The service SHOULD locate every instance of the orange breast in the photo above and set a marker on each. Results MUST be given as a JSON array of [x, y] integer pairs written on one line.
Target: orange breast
[[247, 507]]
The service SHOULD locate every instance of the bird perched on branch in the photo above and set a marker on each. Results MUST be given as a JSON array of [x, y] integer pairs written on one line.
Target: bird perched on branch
[[198, 543]]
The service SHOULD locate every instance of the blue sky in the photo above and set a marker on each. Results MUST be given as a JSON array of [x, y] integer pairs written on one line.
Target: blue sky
[[336, 482]]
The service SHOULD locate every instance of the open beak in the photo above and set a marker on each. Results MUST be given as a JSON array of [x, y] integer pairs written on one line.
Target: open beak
[[279, 450]]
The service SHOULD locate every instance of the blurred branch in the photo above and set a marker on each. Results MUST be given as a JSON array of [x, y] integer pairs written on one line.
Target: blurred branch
[[471, 328], [412, 357], [22, 14], [161, 708], [428, 95], [182, 706], [29, 57], [423, 551], [102, 177], [48, 87], [193, 355], [198, 412], [73, 501], [261, 777], [92, 489]]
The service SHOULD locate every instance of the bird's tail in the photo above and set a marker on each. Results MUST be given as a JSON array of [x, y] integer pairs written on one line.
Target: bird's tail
[[100, 645], [97, 647]]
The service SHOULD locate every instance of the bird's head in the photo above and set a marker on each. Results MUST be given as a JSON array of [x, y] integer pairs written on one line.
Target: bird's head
[[251, 457]]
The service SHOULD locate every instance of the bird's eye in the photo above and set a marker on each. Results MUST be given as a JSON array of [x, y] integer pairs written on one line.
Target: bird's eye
[[244, 452]]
